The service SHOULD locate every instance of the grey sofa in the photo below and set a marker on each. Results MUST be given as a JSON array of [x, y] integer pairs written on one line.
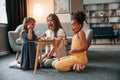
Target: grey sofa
[[39, 29]]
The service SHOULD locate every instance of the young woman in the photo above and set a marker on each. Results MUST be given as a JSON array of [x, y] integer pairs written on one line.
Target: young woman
[[77, 58], [55, 30]]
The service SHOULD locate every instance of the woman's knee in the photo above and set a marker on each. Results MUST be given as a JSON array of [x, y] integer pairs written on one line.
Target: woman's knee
[[48, 63]]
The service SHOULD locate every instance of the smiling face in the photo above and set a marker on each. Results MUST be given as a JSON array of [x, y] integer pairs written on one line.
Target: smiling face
[[50, 23], [31, 24], [28, 22], [76, 27]]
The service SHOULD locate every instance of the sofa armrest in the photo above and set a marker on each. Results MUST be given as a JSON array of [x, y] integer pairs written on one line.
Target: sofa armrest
[[89, 36], [69, 39], [12, 36]]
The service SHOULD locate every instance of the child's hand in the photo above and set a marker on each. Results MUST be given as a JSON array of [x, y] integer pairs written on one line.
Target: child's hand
[[29, 27], [44, 35], [58, 38]]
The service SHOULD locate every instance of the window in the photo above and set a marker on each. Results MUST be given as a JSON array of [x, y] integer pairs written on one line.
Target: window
[[3, 15]]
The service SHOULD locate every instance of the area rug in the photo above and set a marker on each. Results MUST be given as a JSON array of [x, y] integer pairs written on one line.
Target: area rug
[[105, 47]]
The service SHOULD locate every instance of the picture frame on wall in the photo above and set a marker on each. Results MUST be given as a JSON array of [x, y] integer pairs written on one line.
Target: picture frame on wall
[[61, 6]]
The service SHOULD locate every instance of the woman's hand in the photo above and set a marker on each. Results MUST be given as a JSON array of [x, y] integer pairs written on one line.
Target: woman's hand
[[44, 55], [44, 60], [71, 52]]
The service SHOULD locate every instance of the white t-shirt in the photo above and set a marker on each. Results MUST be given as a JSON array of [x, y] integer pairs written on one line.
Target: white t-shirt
[[51, 34], [62, 47]]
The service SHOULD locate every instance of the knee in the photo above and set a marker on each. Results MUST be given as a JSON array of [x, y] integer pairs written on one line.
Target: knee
[[48, 63]]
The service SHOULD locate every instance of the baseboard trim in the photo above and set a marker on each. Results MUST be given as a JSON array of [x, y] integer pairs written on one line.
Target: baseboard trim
[[4, 53]]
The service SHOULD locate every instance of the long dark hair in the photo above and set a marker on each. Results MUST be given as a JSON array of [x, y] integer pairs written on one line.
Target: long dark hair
[[56, 22]]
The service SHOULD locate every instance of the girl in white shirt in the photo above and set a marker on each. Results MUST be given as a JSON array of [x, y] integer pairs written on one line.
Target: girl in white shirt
[[55, 30]]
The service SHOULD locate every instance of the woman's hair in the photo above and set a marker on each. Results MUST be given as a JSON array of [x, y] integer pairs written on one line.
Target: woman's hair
[[26, 22], [79, 16], [56, 22]]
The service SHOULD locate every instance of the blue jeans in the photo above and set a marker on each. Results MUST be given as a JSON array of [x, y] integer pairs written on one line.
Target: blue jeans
[[48, 62]]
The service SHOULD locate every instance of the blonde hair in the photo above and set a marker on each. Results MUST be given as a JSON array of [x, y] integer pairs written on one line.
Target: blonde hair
[[26, 22]]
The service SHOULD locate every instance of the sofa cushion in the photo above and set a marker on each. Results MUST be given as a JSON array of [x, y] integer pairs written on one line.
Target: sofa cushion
[[68, 31], [40, 28], [18, 41]]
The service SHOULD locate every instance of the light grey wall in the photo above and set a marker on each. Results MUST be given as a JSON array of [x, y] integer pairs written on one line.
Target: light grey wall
[[98, 1]]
